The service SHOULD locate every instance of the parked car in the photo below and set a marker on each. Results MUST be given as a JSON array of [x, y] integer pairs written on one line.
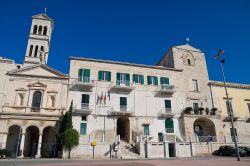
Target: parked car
[[229, 151], [247, 149]]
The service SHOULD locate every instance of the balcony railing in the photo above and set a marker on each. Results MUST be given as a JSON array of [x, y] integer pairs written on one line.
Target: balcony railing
[[84, 79], [166, 112], [35, 109], [165, 89], [82, 109], [206, 139], [123, 83], [123, 108], [169, 130]]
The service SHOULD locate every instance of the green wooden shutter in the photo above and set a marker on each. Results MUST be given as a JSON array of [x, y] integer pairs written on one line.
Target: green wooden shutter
[[127, 79], [109, 76], [156, 80], [142, 79], [118, 77], [164, 80], [100, 75], [80, 72], [146, 129], [134, 78], [87, 73], [83, 128], [149, 80], [169, 123], [167, 103]]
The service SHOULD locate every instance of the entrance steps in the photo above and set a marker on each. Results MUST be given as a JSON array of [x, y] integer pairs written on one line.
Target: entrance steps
[[128, 151]]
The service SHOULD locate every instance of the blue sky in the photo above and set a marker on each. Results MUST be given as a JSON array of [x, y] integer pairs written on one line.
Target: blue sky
[[138, 31]]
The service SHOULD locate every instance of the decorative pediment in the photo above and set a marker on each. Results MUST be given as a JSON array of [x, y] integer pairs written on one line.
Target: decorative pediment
[[39, 70], [37, 84]]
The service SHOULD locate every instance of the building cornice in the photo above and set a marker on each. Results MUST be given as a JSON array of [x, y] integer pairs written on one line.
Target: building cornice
[[229, 85], [123, 63]]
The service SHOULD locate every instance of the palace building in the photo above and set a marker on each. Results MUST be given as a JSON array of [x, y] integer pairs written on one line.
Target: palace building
[[131, 110]]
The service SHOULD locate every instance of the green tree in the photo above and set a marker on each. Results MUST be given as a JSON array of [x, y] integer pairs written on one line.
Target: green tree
[[69, 137], [68, 118], [70, 140]]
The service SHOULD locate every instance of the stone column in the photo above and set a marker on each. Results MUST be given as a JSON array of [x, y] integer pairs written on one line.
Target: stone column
[[22, 144], [38, 154]]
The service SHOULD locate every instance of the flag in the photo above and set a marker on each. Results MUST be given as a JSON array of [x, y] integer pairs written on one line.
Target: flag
[[104, 98], [101, 98], [109, 95]]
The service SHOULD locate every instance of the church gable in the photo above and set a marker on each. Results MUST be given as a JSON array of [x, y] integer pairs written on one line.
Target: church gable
[[38, 71]]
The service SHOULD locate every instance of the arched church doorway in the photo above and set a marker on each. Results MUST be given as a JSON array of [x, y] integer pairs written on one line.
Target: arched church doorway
[[31, 141], [204, 130], [49, 146], [14, 135], [123, 129]]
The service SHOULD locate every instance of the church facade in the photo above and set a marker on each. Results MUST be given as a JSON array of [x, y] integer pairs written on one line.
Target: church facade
[[170, 105]]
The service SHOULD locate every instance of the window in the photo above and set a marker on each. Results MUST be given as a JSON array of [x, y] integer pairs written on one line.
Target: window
[[248, 105], [84, 75], [229, 106], [123, 103], [36, 50], [42, 48], [195, 85], [40, 30], [31, 49], [169, 125], [152, 80], [138, 79], [189, 62], [146, 129], [104, 76], [44, 30], [36, 100], [35, 29], [85, 101], [197, 130], [84, 118], [168, 104], [164, 81], [195, 106], [122, 79], [83, 128]]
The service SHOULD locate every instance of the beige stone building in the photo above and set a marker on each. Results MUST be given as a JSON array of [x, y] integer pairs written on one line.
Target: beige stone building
[[33, 97]]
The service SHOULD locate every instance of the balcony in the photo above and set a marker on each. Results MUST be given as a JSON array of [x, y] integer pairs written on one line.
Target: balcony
[[84, 83], [83, 109], [165, 90], [166, 113], [201, 112], [121, 86], [169, 130], [122, 111]]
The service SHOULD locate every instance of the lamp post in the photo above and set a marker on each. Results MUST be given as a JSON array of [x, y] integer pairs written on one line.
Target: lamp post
[[230, 111]]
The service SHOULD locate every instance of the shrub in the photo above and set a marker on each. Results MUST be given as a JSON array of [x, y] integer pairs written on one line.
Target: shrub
[[188, 110]]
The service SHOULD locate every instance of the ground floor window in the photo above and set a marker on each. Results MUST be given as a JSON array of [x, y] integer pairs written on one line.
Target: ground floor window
[[146, 129], [83, 128]]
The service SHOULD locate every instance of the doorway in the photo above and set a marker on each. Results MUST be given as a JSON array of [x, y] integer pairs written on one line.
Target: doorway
[[123, 129], [171, 149], [31, 141]]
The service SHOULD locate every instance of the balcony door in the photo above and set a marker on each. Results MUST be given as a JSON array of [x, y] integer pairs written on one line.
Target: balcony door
[[85, 101]]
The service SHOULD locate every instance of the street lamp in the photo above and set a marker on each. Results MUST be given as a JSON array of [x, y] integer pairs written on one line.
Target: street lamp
[[230, 111]]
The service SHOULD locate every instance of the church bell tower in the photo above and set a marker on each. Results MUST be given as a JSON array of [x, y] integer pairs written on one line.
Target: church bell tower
[[39, 40]]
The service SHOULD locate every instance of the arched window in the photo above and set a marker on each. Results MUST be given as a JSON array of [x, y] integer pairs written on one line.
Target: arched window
[[36, 50], [42, 48], [35, 29], [31, 49], [44, 30], [40, 29], [36, 100], [169, 125]]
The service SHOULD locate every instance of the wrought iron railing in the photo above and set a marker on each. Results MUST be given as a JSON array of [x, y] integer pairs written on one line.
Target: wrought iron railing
[[84, 79], [169, 130], [123, 83], [167, 87], [123, 108]]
